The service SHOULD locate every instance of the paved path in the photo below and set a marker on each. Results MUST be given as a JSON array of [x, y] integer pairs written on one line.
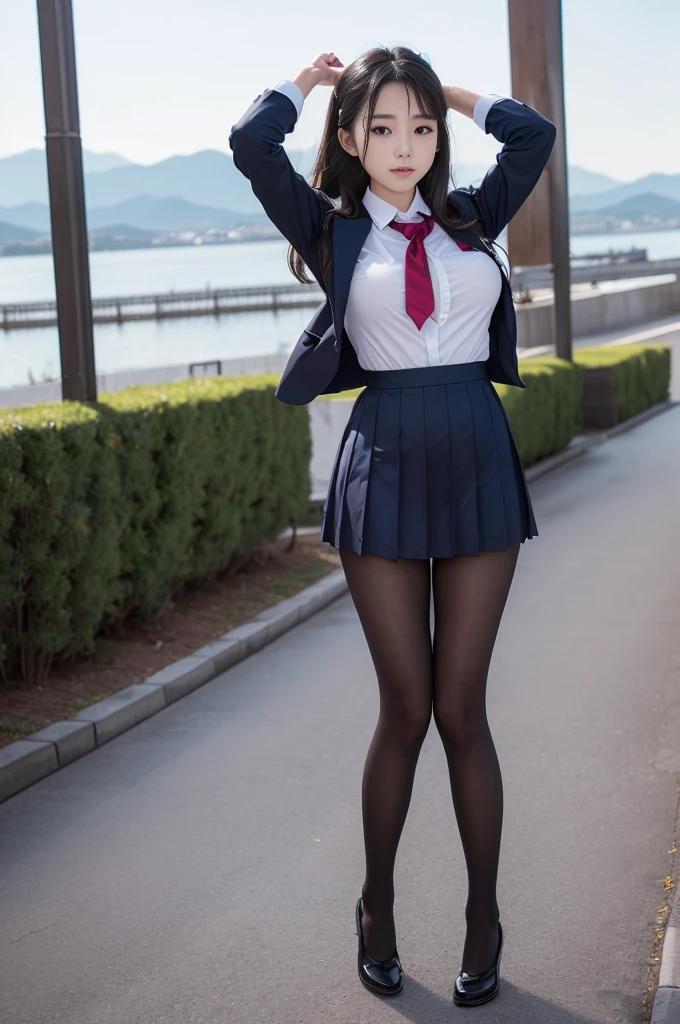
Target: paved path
[[204, 866]]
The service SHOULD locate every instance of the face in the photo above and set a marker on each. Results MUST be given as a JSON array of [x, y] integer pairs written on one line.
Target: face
[[399, 135]]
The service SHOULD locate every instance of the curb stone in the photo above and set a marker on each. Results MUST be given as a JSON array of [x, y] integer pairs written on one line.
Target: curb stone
[[666, 1007], [28, 760]]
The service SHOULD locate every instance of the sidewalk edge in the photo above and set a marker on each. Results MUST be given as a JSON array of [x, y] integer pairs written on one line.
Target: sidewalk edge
[[666, 1005]]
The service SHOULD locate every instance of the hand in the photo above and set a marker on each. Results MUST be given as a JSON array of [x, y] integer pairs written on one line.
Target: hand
[[462, 100], [329, 68]]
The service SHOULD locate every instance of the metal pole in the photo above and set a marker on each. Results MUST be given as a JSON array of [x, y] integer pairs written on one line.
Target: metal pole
[[539, 233], [67, 200]]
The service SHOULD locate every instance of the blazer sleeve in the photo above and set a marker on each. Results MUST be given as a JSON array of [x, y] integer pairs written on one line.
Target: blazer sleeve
[[288, 199], [528, 139]]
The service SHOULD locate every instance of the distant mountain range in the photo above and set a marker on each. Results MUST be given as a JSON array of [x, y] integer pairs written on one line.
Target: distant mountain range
[[649, 204], [207, 178], [643, 212], [205, 191], [150, 213], [667, 185], [12, 233]]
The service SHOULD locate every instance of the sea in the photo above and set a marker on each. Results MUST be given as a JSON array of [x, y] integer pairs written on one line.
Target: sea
[[33, 354]]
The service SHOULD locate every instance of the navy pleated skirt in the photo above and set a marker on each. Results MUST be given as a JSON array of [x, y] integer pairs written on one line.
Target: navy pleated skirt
[[427, 467]]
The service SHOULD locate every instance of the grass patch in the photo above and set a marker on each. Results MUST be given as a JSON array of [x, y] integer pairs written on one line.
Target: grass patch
[[17, 730]]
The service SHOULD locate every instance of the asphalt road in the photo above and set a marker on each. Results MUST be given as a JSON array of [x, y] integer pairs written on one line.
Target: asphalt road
[[203, 867]]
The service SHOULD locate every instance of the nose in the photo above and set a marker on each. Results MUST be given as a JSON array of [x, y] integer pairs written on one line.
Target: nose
[[402, 147]]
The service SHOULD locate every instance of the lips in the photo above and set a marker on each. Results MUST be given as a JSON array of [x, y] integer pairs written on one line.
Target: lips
[[402, 170]]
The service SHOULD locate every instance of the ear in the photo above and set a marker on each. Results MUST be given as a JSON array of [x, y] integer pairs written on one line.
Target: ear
[[347, 142]]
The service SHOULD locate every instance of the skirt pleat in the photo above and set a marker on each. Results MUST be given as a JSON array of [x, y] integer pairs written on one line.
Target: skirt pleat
[[464, 525], [439, 469], [413, 448], [428, 470]]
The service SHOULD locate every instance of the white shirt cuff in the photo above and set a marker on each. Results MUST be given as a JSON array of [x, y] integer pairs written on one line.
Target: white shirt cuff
[[292, 91], [482, 107]]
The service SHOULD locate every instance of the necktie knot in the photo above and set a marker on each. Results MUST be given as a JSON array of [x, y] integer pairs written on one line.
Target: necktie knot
[[414, 229]]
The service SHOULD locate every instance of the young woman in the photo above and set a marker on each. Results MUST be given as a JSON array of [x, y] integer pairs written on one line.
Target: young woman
[[427, 493]]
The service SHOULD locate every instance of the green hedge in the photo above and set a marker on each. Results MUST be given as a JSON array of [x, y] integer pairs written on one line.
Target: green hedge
[[546, 414], [642, 373], [110, 508]]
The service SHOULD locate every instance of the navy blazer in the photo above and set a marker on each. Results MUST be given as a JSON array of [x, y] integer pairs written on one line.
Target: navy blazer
[[324, 359]]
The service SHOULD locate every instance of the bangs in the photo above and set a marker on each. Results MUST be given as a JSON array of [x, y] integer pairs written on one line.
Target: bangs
[[424, 101]]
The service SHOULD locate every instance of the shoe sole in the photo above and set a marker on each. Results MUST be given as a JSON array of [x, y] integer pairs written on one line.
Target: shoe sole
[[477, 1002], [381, 991]]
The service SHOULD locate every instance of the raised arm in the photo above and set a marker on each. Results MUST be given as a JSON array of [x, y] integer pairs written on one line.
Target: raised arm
[[288, 199], [527, 139]]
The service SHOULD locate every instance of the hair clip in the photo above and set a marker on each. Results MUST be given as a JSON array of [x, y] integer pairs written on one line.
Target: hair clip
[[425, 57]]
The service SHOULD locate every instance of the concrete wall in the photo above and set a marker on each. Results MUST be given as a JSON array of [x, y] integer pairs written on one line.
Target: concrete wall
[[622, 304], [327, 420]]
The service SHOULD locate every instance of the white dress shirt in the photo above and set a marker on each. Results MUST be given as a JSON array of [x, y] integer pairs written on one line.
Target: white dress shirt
[[466, 286]]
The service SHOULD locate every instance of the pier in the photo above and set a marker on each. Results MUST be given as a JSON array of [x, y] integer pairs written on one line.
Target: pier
[[168, 305]]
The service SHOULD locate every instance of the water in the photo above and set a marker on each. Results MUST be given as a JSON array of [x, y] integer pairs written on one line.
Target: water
[[159, 343], [153, 342], [660, 245]]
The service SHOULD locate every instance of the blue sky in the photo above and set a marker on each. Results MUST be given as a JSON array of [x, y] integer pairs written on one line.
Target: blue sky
[[159, 77]]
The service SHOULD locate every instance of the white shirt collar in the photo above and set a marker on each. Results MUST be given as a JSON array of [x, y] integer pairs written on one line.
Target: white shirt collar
[[382, 212]]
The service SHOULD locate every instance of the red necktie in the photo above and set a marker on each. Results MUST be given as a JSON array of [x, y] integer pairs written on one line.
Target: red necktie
[[419, 292]]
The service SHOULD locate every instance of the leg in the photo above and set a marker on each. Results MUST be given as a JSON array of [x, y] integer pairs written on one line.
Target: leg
[[392, 599], [470, 593]]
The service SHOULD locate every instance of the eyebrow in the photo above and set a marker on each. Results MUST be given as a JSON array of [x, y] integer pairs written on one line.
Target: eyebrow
[[422, 117]]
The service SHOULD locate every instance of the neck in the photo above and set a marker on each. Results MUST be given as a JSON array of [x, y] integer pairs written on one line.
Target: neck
[[402, 200]]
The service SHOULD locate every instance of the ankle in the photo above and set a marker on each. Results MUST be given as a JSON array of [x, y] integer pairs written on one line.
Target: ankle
[[480, 916], [383, 906]]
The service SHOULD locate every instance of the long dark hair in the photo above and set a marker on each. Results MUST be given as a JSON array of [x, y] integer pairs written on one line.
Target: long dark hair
[[341, 175]]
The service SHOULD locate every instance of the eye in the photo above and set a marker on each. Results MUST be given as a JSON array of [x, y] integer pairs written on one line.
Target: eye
[[425, 126]]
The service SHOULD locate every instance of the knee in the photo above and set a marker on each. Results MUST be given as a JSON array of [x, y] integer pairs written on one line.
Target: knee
[[459, 721], [407, 722]]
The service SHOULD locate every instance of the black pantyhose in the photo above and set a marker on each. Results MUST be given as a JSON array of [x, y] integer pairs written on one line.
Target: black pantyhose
[[420, 677]]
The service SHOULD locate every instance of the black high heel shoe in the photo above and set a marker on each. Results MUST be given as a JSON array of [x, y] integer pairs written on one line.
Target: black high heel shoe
[[383, 976], [473, 989]]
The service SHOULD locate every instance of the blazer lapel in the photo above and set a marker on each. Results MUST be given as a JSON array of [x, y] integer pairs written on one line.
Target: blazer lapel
[[349, 235]]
